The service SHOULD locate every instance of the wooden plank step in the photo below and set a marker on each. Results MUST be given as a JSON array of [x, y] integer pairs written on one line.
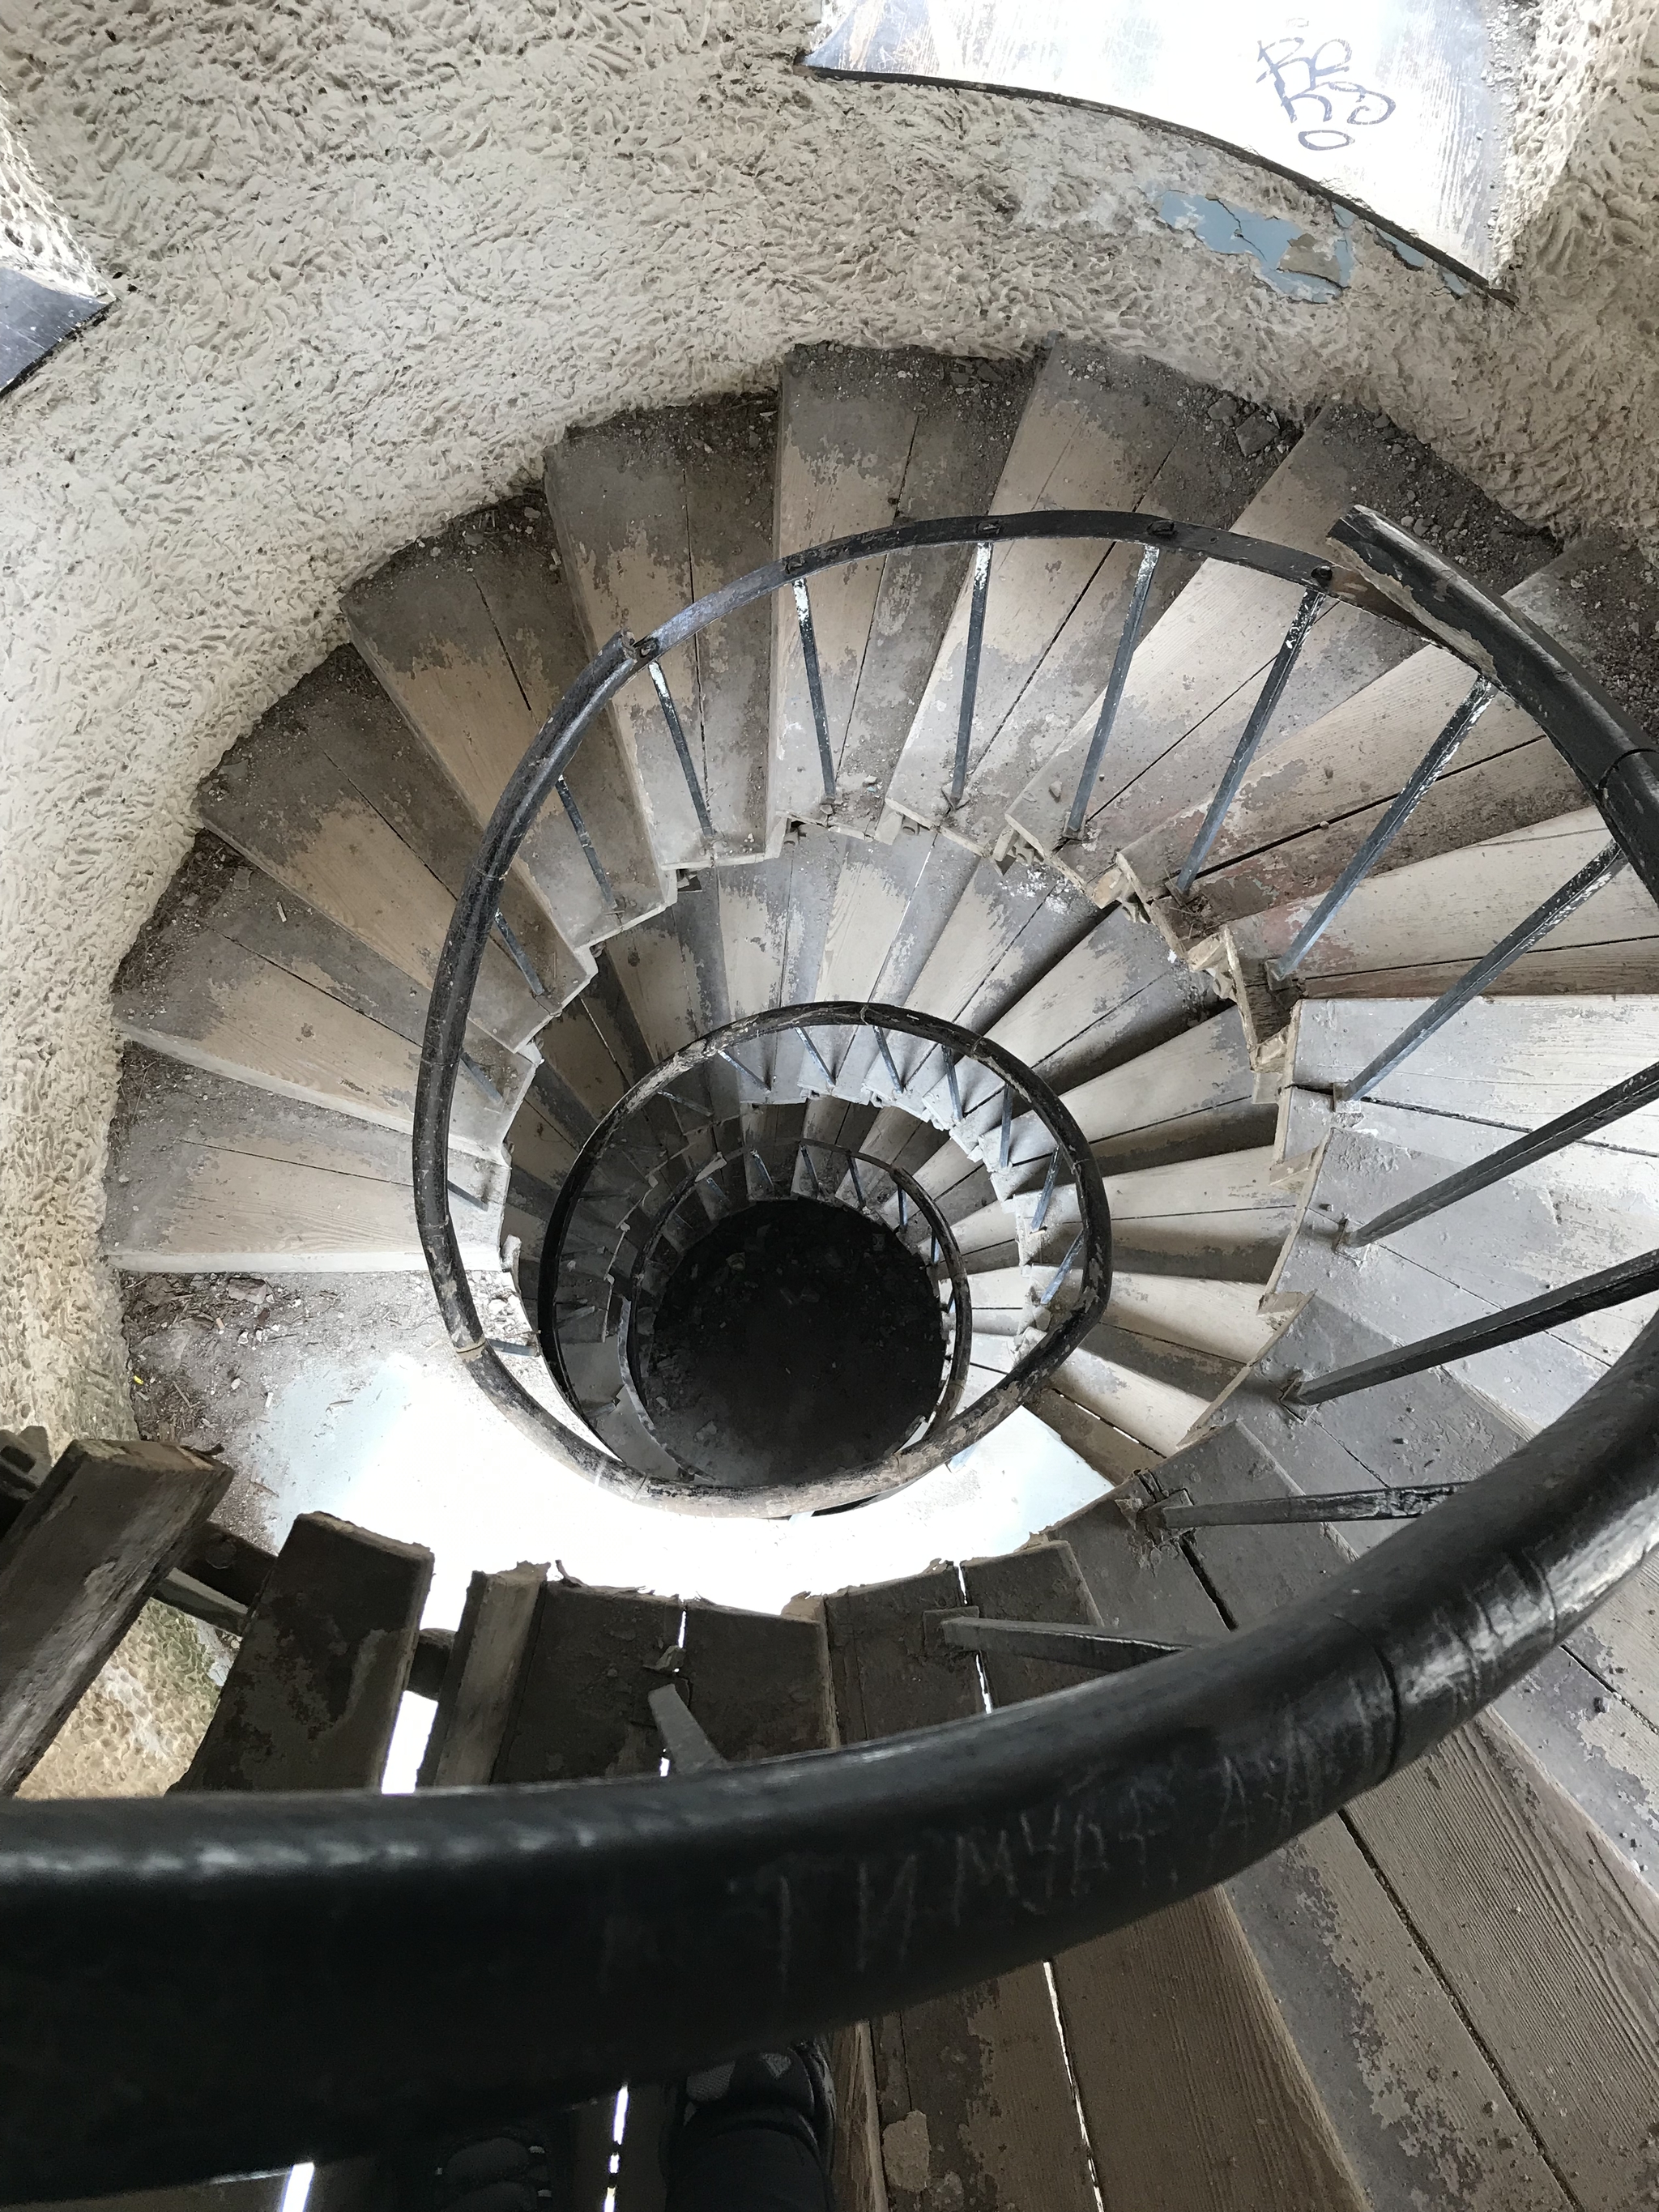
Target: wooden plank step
[[866, 438], [228, 977], [474, 636], [1511, 1063], [1536, 1924], [1152, 1389], [281, 799], [1102, 429], [1194, 2095], [1196, 675], [1411, 933], [480, 1686], [654, 511], [1096, 1441], [1419, 2113], [973, 2085], [313, 1693], [1311, 799], [92, 1542], [206, 1174]]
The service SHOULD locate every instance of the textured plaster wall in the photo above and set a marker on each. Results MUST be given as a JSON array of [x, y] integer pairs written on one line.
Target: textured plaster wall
[[369, 260]]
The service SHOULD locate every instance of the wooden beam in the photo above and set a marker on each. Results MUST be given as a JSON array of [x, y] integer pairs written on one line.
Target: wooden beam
[[313, 1693], [475, 1702], [76, 1564], [973, 2085]]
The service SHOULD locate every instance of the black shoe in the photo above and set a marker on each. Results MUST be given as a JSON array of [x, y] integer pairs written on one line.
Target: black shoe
[[519, 2168], [791, 2088]]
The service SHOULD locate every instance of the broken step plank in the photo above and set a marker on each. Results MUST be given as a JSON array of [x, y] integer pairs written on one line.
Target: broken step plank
[[479, 1686], [866, 438], [1420, 2115], [973, 2088], [1101, 430], [475, 638], [1196, 676], [653, 512], [90, 1545], [1194, 2094], [324, 1659]]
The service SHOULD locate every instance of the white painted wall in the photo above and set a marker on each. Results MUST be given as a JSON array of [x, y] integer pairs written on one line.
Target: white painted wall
[[369, 261]]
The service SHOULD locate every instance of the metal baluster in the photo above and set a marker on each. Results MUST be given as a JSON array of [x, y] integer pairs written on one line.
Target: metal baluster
[[955, 1094], [470, 1067], [517, 955], [1129, 638], [809, 648], [1554, 911], [1041, 1213], [1094, 1647], [670, 714], [1626, 1097], [1063, 1270], [766, 1176], [812, 1174], [970, 671], [823, 1064], [1613, 1286], [730, 1058], [586, 843], [903, 1217], [1007, 1126], [858, 1188], [1254, 730], [1481, 696], [1165, 1515], [886, 1052]]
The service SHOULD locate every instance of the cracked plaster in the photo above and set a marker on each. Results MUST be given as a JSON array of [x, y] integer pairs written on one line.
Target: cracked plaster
[[367, 263]]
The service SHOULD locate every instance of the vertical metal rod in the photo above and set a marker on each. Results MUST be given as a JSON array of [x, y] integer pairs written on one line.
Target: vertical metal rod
[[858, 1188], [586, 841], [1063, 1270], [904, 1218], [1626, 1097], [956, 1092], [470, 1067], [1129, 638], [1384, 832], [1007, 1126], [809, 650], [886, 1052], [932, 1256], [812, 1173], [670, 714], [1254, 730], [823, 1064], [1041, 1213], [517, 955], [970, 670], [1554, 911], [732, 1060]]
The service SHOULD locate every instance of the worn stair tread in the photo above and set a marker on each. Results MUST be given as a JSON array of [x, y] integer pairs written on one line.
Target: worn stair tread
[[653, 512], [475, 638], [1116, 994], [1309, 800], [1104, 430], [1196, 674], [1222, 1319], [1413, 933], [1513, 1063], [1108, 1449], [867, 438]]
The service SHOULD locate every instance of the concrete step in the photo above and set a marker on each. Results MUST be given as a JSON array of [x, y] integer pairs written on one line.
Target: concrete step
[[1151, 1389], [1101, 430], [475, 638], [866, 438], [1196, 675], [1312, 799], [233, 975], [653, 512]]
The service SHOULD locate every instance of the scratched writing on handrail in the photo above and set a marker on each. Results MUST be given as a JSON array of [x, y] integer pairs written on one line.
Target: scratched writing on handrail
[[1318, 90]]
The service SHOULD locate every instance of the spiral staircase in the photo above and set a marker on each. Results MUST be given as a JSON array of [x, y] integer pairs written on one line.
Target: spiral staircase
[[1132, 930]]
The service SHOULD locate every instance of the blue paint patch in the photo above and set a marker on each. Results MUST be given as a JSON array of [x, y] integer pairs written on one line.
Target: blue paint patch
[[1408, 254], [1271, 241]]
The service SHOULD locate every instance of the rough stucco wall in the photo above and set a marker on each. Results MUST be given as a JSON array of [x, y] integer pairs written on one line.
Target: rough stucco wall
[[370, 261], [138, 1727]]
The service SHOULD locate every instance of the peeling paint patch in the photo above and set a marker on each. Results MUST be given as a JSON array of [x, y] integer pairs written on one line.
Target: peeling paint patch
[[1289, 258]]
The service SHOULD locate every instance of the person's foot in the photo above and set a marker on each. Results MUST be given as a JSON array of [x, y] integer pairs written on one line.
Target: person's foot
[[518, 2168], [719, 2121]]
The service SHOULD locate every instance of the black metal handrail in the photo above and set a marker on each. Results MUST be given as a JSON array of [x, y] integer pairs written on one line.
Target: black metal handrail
[[1070, 1155], [381, 1966]]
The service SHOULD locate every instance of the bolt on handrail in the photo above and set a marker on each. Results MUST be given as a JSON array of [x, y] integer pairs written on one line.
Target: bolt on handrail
[[1089, 1255]]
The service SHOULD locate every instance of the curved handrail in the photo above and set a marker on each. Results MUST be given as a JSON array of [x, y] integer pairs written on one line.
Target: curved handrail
[[901, 1468], [383, 1966]]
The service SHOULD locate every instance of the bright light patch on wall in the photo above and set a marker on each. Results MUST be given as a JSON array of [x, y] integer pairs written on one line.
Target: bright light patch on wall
[[1404, 109], [48, 288], [297, 2188]]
